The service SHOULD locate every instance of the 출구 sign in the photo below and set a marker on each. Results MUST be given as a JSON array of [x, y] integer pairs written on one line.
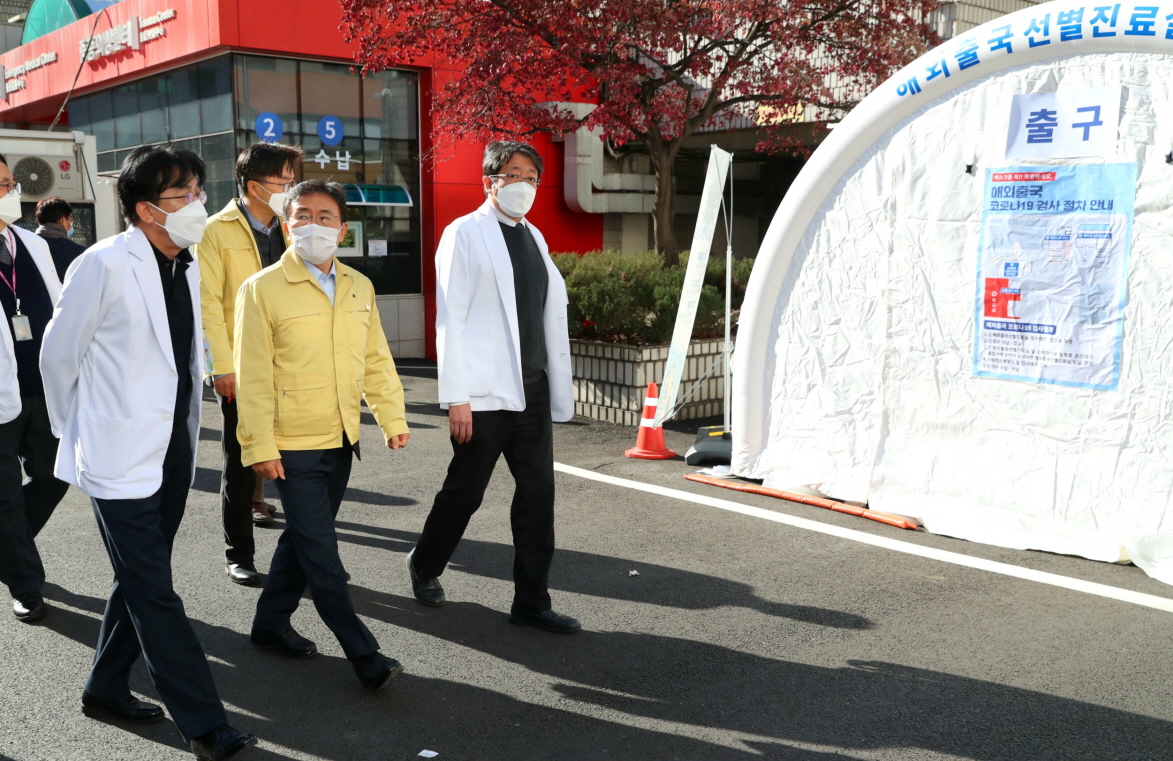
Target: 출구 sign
[[1062, 125]]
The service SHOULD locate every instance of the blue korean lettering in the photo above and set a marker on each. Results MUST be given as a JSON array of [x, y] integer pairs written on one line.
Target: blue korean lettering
[[1070, 24], [936, 70], [1040, 126], [1087, 126], [1035, 28], [1169, 27], [1001, 39], [911, 87], [1102, 16], [967, 54], [1144, 18]]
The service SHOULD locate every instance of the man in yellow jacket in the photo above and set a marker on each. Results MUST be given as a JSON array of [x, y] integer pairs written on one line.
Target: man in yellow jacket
[[240, 241], [308, 348]]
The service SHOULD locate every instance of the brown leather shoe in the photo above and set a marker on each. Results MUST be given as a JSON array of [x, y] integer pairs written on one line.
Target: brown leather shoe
[[262, 514]]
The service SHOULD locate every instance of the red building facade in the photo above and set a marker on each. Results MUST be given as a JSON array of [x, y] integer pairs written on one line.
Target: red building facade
[[208, 74]]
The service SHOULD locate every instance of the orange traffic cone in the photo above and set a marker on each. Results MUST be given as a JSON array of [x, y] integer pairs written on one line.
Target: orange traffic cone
[[649, 444]]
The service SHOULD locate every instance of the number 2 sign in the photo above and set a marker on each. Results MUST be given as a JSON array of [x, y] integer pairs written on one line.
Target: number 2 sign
[[269, 127]]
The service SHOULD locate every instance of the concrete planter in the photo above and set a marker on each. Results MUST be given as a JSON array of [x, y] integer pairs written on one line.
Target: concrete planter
[[611, 380]]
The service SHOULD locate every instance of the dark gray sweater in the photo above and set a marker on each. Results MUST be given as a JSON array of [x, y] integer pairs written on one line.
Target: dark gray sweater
[[530, 283]]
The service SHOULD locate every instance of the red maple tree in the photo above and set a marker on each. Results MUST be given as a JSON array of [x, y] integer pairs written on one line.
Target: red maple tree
[[658, 70]]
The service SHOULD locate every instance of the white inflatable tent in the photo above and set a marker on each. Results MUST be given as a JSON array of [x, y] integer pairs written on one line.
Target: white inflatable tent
[[871, 361]]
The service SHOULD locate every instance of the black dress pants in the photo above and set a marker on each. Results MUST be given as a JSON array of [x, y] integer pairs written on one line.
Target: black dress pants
[[526, 439], [25, 507], [307, 552], [144, 616], [237, 486]]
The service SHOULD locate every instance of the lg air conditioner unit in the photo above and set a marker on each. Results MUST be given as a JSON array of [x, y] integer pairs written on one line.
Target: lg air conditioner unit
[[47, 175]]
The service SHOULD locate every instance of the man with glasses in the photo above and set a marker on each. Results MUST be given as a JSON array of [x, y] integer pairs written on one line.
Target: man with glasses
[[240, 241], [504, 374], [122, 364], [28, 290], [308, 349]]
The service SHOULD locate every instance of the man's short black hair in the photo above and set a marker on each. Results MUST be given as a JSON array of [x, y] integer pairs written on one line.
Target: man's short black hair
[[150, 170], [498, 153], [3, 159], [315, 186], [53, 210], [261, 160]]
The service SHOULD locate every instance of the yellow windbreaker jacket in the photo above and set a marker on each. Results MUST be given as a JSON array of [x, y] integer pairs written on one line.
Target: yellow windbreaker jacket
[[228, 256], [303, 368]]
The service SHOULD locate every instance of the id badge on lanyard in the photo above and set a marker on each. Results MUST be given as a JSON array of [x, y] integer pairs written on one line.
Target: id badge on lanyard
[[21, 329]]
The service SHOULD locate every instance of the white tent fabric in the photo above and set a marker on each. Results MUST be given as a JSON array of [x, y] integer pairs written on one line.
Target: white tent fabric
[[853, 372]]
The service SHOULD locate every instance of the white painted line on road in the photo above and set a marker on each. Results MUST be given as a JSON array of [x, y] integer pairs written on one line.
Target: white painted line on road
[[896, 545]]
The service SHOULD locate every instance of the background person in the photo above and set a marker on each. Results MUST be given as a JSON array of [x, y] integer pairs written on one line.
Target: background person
[[309, 347], [244, 238], [55, 225], [504, 374], [28, 291], [122, 365]]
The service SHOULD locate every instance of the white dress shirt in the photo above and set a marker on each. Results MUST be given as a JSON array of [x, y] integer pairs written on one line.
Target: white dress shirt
[[327, 281]]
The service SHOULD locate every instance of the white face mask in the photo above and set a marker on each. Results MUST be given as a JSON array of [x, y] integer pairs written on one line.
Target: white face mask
[[186, 226], [276, 201], [10, 207], [314, 243], [516, 199]]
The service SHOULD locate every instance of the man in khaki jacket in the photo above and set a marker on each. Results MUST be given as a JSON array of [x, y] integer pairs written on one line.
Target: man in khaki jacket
[[240, 241], [308, 348]]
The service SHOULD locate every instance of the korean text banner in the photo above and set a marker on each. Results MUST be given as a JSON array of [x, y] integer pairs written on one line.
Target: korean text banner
[[1065, 124], [1052, 269]]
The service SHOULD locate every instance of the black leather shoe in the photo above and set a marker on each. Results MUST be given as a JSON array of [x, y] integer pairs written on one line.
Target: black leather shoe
[[128, 709], [221, 743], [548, 620], [427, 591], [374, 670], [289, 643], [30, 609], [242, 574]]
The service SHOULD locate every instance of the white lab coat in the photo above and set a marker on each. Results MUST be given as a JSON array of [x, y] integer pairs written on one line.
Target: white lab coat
[[478, 347], [109, 370], [9, 386]]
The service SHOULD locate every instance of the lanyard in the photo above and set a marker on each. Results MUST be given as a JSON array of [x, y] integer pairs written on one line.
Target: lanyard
[[12, 285]]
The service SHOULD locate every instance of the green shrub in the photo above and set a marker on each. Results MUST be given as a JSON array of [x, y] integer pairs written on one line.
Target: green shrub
[[634, 298]]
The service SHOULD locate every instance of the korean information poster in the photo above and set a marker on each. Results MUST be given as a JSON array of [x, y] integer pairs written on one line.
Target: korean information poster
[[1052, 272]]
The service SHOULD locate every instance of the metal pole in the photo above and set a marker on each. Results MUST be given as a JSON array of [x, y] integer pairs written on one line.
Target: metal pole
[[728, 301]]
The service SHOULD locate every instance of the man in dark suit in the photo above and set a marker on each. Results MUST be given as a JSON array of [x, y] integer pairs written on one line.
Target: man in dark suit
[[55, 225]]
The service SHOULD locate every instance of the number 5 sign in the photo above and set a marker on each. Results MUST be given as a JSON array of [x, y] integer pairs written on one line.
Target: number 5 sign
[[269, 127], [330, 130]]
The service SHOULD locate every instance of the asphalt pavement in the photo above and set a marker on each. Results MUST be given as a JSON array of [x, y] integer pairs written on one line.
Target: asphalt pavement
[[735, 638]]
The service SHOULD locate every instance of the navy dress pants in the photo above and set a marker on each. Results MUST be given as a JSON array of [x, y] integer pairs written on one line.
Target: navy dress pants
[[145, 616], [25, 507], [526, 439], [237, 486], [307, 552]]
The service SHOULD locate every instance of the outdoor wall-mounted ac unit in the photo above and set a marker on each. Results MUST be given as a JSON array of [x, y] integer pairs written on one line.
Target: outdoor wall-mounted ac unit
[[55, 174]]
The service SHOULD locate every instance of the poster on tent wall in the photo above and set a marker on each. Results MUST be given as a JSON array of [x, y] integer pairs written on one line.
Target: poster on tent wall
[[1052, 271]]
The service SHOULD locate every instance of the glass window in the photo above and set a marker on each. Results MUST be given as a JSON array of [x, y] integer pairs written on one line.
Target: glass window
[[216, 95], [329, 89], [127, 130], [266, 85], [184, 87], [79, 115], [389, 105], [219, 155], [340, 163], [107, 162], [102, 120], [152, 106]]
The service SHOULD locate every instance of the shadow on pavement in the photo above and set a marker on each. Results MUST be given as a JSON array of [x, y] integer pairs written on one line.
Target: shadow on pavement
[[865, 705], [606, 576], [317, 707]]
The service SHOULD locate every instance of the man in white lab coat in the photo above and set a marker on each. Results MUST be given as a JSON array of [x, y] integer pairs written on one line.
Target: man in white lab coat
[[122, 361], [28, 290], [504, 372]]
